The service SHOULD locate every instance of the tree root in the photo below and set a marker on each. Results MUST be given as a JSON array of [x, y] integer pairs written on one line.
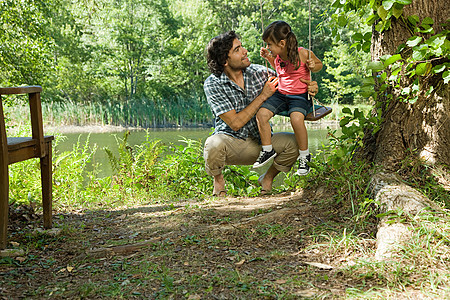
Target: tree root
[[396, 199]]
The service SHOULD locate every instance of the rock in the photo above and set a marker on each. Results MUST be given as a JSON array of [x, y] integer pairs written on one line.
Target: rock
[[51, 231], [11, 252]]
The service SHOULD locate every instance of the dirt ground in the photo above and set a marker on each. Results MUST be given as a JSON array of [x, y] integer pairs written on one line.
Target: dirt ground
[[269, 247]]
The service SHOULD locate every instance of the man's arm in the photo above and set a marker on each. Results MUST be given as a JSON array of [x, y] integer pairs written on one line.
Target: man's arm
[[237, 120]]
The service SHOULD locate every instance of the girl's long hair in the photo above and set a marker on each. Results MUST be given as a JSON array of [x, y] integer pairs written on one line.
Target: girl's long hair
[[280, 30]]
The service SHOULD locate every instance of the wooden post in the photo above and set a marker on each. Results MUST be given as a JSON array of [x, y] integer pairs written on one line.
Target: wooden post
[[4, 181], [36, 122], [46, 180]]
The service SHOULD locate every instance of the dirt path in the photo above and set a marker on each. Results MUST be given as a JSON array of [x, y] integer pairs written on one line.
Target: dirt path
[[251, 248]]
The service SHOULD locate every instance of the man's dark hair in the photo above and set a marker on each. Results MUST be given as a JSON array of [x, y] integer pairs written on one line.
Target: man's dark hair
[[217, 51]]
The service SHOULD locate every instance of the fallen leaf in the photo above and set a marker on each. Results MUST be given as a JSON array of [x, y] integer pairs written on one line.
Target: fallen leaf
[[240, 263], [20, 259], [280, 281], [70, 269], [319, 265]]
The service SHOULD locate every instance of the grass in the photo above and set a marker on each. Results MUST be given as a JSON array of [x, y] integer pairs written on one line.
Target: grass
[[143, 113], [195, 257], [207, 247]]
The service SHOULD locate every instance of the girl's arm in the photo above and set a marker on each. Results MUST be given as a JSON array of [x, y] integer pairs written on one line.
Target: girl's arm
[[314, 64], [264, 53]]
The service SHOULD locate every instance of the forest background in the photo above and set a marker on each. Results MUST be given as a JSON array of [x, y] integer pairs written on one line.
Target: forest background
[[142, 63]]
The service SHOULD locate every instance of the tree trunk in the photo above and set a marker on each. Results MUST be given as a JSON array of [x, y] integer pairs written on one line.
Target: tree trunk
[[419, 130], [423, 126]]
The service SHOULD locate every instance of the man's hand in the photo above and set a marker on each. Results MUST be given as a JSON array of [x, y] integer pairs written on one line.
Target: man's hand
[[270, 87], [313, 88]]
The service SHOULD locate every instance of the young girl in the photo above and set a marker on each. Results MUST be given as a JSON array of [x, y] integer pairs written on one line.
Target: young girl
[[293, 65]]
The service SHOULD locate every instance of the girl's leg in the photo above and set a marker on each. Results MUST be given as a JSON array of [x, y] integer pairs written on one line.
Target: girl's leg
[[301, 134], [262, 117], [267, 153]]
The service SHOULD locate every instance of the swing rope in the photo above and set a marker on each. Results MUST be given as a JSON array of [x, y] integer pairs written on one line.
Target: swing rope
[[262, 29], [309, 56]]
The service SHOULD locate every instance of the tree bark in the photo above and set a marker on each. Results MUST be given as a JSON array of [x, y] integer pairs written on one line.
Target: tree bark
[[422, 127], [420, 130]]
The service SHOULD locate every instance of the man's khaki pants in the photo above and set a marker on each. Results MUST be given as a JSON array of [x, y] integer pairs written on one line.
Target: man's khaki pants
[[222, 149]]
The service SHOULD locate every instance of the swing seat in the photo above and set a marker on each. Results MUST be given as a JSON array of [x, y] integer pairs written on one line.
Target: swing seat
[[320, 112]]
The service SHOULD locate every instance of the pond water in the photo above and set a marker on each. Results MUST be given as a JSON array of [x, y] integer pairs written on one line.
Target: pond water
[[317, 137]]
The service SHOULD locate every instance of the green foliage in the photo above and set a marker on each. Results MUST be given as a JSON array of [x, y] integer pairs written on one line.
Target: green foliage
[[173, 172], [241, 180], [25, 44], [133, 167], [116, 57], [345, 72], [347, 179], [423, 55]]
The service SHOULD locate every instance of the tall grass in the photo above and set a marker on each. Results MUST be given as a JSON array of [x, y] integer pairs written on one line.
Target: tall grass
[[142, 112], [139, 112]]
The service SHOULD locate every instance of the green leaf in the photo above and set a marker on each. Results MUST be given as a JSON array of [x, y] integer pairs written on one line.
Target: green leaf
[[357, 36], [414, 20], [366, 46], [382, 13], [419, 54], [375, 65], [413, 100], [336, 4], [400, 48], [392, 60], [414, 41], [423, 68], [427, 21], [436, 41], [446, 76], [438, 69], [426, 29], [342, 21], [371, 19], [346, 110], [254, 177], [404, 2], [397, 11], [368, 81], [344, 121], [387, 4], [406, 91], [367, 91], [355, 45]]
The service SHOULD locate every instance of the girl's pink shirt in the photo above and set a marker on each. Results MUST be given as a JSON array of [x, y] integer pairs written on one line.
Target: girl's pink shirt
[[289, 83]]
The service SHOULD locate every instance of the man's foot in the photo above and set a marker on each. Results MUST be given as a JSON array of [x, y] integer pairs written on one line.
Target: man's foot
[[303, 167], [264, 158], [219, 186], [265, 183], [221, 193]]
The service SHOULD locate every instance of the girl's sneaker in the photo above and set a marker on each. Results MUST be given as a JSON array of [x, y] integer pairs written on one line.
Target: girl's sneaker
[[303, 167], [264, 158]]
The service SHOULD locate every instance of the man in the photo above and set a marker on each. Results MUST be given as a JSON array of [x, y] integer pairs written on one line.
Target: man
[[235, 90]]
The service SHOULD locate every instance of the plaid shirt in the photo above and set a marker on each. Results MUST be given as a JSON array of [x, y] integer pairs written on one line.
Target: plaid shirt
[[224, 95]]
